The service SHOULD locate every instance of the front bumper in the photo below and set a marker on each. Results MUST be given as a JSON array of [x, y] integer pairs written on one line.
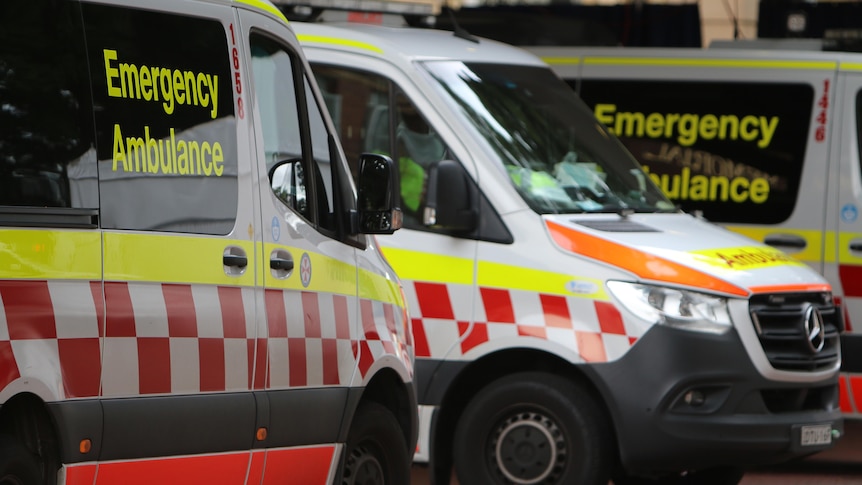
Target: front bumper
[[683, 400]]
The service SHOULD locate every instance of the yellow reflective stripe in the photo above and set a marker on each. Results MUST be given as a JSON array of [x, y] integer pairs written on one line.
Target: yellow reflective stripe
[[416, 265], [172, 259], [521, 278], [562, 60], [376, 287], [54, 254], [851, 66], [263, 5], [319, 39], [328, 275], [737, 63], [812, 253]]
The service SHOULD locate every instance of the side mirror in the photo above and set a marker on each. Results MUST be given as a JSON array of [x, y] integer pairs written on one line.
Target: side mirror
[[379, 195], [287, 181], [451, 195]]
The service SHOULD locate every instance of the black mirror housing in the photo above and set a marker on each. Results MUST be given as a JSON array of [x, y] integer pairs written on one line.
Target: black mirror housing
[[378, 202], [451, 198]]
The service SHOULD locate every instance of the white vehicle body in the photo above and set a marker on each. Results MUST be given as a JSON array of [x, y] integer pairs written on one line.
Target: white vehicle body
[[535, 260], [190, 291], [800, 186]]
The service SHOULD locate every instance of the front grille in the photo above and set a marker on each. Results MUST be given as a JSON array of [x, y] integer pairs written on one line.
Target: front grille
[[780, 321]]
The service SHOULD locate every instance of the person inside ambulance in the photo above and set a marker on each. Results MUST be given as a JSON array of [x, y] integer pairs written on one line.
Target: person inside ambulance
[[417, 147]]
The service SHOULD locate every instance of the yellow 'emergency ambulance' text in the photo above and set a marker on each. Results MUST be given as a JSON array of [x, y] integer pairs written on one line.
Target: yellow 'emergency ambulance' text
[[154, 83], [687, 127]]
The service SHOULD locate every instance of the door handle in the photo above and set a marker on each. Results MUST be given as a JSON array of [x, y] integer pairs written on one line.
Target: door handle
[[786, 240], [235, 260], [856, 246], [284, 264]]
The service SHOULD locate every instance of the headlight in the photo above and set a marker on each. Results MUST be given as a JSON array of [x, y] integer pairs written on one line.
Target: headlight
[[683, 309]]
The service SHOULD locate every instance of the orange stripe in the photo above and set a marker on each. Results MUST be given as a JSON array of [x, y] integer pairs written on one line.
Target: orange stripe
[[643, 264], [222, 468], [307, 466], [790, 288]]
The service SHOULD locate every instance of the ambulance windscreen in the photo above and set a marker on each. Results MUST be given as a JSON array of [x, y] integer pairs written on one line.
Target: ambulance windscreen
[[559, 158]]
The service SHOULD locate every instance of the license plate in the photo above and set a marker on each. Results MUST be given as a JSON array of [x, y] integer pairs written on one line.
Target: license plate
[[816, 435]]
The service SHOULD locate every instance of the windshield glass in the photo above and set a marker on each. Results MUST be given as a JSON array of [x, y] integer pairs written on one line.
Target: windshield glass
[[557, 155]]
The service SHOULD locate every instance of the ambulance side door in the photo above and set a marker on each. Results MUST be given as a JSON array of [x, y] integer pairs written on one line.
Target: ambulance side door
[[174, 188], [845, 268], [308, 263]]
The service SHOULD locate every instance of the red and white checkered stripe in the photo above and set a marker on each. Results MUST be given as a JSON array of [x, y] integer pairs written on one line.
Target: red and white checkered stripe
[[440, 314], [177, 338]]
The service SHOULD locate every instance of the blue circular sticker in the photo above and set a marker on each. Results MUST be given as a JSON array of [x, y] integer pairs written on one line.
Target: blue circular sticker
[[849, 213], [276, 229]]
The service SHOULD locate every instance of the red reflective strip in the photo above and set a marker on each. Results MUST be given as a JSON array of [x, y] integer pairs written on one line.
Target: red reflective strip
[[342, 317], [306, 466], [532, 331], [120, 316], [610, 319], [297, 362], [232, 312], [180, 307], [29, 311], [790, 288], [223, 468], [80, 474], [855, 387], [366, 315], [261, 367], [420, 340], [844, 395], [8, 366], [389, 318], [81, 365], [434, 300], [276, 319], [154, 365], [478, 335], [851, 279], [556, 311], [498, 305], [643, 264], [212, 364], [590, 347], [99, 301], [330, 362], [255, 472], [311, 314], [365, 357]]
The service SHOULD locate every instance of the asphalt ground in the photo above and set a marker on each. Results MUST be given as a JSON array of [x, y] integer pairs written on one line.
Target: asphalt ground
[[841, 465]]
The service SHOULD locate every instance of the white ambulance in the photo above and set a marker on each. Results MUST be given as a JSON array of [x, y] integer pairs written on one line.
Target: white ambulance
[[571, 325], [761, 136], [188, 289]]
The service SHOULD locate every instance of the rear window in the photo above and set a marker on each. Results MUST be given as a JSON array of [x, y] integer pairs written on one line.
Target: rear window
[[733, 151]]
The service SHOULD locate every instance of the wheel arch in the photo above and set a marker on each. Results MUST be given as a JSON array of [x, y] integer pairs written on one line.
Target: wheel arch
[[473, 377], [28, 418]]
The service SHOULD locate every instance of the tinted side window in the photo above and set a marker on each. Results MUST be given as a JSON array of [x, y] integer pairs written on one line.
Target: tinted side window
[[164, 110], [734, 151], [46, 128], [294, 132], [374, 116]]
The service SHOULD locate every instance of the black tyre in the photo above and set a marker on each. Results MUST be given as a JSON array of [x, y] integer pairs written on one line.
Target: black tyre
[[533, 428], [17, 465], [376, 451]]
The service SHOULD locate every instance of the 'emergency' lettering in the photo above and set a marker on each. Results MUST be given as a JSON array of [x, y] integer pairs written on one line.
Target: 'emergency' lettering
[[688, 127], [152, 83]]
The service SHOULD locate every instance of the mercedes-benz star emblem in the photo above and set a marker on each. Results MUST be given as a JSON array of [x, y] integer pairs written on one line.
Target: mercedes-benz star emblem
[[815, 334]]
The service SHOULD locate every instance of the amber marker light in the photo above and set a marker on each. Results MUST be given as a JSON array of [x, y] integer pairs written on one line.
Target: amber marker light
[[261, 434], [85, 446]]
